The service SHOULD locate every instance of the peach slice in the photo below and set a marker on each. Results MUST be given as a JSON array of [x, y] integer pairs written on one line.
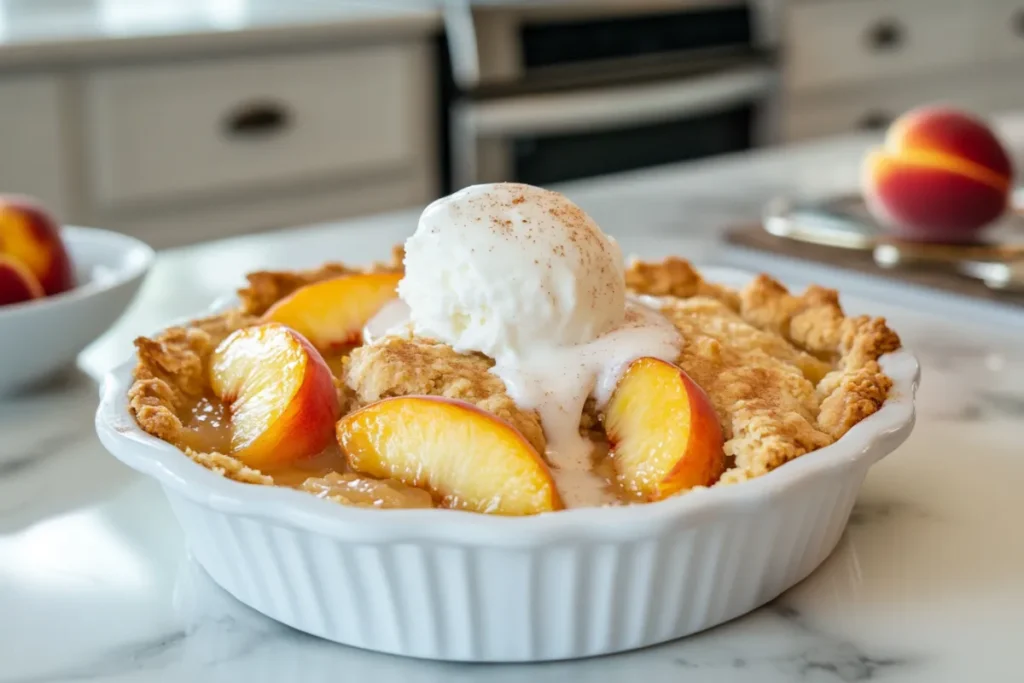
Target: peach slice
[[663, 431], [30, 235], [942, 176], [279, 393], [17, 283], [469, 458], [332, 313]]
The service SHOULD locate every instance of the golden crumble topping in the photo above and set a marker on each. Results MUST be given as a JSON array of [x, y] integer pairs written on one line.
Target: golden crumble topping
[[267, 287], [675, 277], [400, 366], [172, 372], [762, 367], [762, 388], [786, 373], [230, 467]]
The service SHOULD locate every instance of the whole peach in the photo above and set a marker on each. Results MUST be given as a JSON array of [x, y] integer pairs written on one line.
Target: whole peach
[[29, 235], [942, 176]]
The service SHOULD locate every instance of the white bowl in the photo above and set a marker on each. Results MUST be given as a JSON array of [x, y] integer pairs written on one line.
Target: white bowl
[[39, 338], [453, 585]]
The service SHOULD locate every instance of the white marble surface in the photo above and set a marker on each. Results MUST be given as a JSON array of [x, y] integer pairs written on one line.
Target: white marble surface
[[36, 32], [927, 585]]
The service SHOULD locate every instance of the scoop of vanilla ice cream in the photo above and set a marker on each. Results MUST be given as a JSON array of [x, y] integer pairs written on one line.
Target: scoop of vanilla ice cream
[[504, 267]]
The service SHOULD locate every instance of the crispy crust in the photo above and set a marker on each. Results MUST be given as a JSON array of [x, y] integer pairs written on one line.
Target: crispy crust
[[675, 277], [787, 373], [400, 366], [769, 415], [267, 287], [761, 388], [230, 467], [172, 371]]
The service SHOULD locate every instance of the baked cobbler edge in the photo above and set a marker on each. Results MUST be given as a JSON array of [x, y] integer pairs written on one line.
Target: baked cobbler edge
[[837, 354]]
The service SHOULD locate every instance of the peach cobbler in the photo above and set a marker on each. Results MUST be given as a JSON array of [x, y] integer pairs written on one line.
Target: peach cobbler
[[507, 361]]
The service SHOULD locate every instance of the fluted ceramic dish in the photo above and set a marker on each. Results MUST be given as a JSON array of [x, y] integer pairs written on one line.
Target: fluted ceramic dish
[[454, 585]]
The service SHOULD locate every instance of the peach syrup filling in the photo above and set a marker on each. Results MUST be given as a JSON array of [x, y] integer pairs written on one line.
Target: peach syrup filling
[[207, 429]]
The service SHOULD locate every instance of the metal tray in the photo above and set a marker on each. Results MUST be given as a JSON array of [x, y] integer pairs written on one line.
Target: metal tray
[[844, 222]]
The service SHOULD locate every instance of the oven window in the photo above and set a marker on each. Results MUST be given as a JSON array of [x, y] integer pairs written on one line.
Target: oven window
[[552, 159], [565, 42]]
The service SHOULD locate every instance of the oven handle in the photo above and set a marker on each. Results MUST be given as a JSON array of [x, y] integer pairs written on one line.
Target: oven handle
[[555, 113]]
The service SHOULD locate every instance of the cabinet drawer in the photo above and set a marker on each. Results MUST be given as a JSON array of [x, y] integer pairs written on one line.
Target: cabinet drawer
[[33, 141], [1002, 28], [169, 131], [985, 90], [831, 43]]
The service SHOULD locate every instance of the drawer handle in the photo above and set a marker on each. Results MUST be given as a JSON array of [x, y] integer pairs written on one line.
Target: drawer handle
[[1018, 22], [885, 36], [260, 119], [874, 120]]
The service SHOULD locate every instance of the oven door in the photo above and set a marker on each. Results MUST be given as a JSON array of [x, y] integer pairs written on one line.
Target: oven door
[[551, 132]]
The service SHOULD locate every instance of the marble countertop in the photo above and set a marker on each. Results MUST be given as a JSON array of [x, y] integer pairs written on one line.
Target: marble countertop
[[927, 585], [40, 32]]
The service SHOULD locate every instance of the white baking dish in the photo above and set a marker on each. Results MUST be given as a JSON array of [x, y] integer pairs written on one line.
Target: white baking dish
[[41, 337], [444, 584]]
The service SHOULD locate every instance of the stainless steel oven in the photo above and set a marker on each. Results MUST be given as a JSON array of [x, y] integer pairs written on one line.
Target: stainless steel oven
[[550, 91]]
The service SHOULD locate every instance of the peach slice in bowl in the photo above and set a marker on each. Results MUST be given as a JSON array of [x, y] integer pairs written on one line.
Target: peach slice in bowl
[[17, 283], [40, 336], [30, 236]]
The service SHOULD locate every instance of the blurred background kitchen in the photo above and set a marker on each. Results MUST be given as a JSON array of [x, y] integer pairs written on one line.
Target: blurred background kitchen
[[178, 121]]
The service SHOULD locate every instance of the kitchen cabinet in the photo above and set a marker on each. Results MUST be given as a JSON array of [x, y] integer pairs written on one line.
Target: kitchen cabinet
[[248, 143], [169, 132], [831, 44], [857, 64], [175, 143], [33, 139], [873, 106]]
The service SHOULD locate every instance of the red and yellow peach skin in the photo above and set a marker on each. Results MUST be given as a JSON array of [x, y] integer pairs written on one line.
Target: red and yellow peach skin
[[436, 443], [279, 392], [332, 313], [17, 283], [30, 236], [663, 431], [941, 176]]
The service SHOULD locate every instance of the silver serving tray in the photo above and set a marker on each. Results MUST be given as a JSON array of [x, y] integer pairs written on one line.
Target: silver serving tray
[[845, 222]]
